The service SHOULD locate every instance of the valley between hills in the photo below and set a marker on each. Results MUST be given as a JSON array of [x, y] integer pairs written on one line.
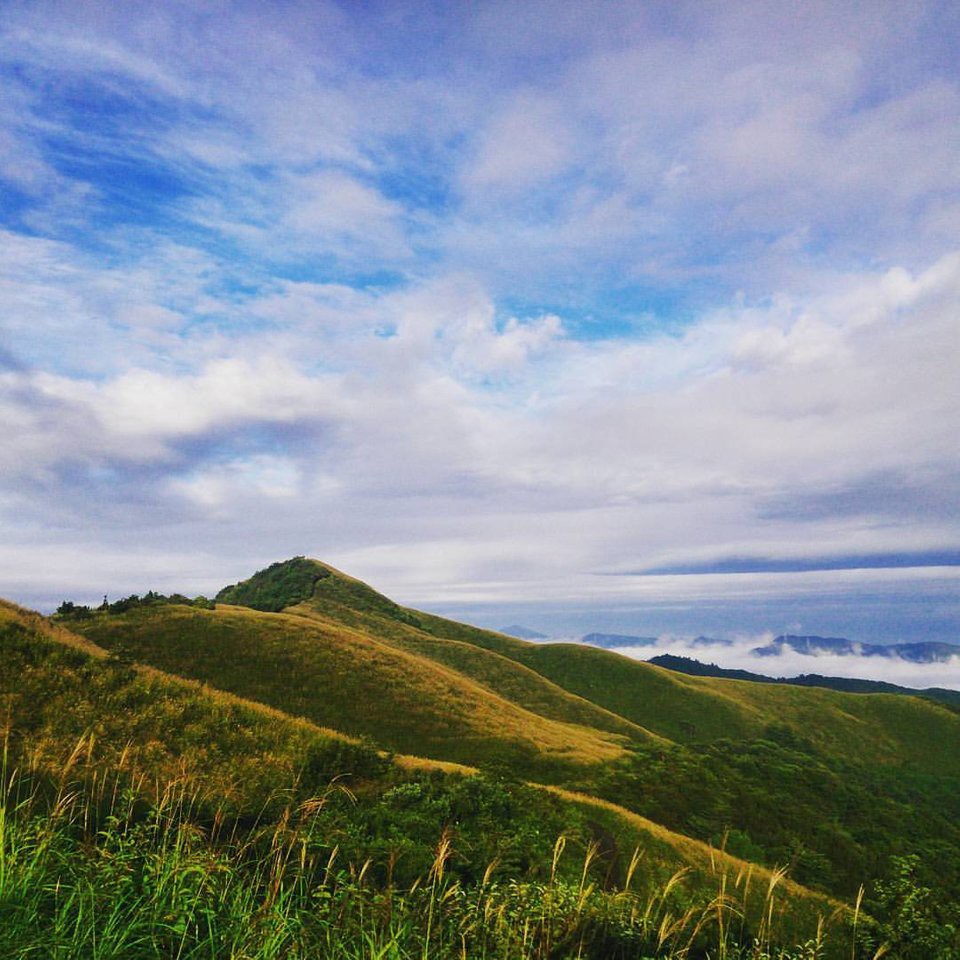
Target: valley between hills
[[302, 767]]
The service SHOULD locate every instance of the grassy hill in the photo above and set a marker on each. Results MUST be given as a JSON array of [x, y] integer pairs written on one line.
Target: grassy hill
[[676, 707], [335, 675], [652, 700], [341, 654], [96, 746], [59, 690], [831, 785], [880, 728], [633, 697], [689, 709]]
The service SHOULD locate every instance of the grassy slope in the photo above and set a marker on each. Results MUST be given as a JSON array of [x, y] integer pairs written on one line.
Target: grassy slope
[[459, 693], [12, 615], [58, 689], [501, 675], [608, 691], [872, 728], [797, 909], [349, 657], [342, 600], [335, 675]]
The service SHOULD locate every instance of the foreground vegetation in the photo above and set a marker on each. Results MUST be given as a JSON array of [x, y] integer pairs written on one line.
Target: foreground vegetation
[[88, 869], [117, 867], [186, 822]]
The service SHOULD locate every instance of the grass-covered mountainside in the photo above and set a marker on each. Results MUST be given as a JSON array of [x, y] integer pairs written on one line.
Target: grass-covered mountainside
[[426, 739], [143, 815], [339, 676]]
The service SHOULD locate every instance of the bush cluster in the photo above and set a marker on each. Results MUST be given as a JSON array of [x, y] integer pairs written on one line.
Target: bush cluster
[[68, 610], [278, 586]]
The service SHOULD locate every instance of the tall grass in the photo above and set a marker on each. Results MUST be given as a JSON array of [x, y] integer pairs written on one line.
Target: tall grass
[[90, 870]]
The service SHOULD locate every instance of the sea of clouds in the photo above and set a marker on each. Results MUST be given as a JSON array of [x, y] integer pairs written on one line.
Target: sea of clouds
[[737, 654]]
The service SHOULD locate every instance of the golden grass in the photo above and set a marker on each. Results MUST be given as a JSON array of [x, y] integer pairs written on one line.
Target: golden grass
[[339, 676], [613, 693], [740, 881], [130, 716], [870, 728], [437, 687], [413, 764], [500, 674], [273, 740], [11, 613]]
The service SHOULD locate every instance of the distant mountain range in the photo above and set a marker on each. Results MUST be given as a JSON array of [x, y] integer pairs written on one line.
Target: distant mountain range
[[613, 640], [710, 642], [697, 668], [813, 646], [607, 641], [924, 652]]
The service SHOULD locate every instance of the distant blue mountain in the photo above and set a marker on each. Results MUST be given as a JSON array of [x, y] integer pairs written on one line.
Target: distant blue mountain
[[613, 640], [923, 652], [710, 642]]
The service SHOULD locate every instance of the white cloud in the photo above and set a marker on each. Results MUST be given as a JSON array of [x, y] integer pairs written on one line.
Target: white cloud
[[331, 205], [250, 478], [525, 143], [325, 273], [650, 452], [145, 408]]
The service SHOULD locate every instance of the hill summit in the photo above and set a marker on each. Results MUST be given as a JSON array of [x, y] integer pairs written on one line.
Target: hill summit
[[280, 585]]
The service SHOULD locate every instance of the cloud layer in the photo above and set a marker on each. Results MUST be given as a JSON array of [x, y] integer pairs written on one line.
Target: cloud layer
[[487, 307], [738, 655]]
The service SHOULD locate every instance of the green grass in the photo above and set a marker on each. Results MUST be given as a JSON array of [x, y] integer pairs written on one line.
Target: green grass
[[829, 784], [146, 816], [138, 882], [69, 706], [57, 690], [875, 728], [612, 692], [279, 585], [502, 675], [336, 676]]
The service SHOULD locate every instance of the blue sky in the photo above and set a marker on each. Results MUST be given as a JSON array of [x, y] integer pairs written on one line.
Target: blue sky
[[602, 310]]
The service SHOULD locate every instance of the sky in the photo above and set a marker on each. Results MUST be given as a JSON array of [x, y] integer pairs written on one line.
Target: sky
[[632, 316]]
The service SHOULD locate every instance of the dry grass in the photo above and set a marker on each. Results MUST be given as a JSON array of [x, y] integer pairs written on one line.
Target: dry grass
[[89, 874], [11, 613], [338, 676]]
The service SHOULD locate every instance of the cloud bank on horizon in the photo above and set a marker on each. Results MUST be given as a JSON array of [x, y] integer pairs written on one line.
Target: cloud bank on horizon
[[918, 665], [484, 303], [740, 654]]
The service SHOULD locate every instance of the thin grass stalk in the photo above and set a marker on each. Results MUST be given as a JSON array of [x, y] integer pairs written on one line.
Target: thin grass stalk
[[856, 918], [435, 877]]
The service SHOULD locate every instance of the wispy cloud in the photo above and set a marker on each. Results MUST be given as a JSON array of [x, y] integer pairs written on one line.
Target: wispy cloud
[[492, 302]]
